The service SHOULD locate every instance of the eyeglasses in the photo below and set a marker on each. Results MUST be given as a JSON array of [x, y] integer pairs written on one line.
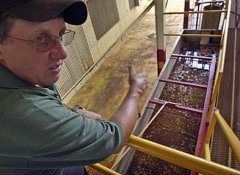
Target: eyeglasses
[[45, 42]]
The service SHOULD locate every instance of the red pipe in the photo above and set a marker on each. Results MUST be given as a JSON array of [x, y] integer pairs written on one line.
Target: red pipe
[[173, 113], [186, 9], [158, 102], [204, 2], [191, 56], [161, 59], [184, 83], [204, 126]]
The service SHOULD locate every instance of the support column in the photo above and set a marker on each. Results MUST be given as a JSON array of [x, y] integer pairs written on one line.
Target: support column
[[186, 15], [160, 23]]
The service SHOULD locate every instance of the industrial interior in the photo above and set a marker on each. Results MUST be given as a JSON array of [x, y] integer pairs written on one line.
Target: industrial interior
[[189, 114]]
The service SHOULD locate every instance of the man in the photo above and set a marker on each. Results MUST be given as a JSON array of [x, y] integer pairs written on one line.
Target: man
[[39, 135]]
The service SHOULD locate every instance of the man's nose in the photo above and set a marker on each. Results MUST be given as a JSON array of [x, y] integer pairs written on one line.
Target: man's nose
[[59, 51]]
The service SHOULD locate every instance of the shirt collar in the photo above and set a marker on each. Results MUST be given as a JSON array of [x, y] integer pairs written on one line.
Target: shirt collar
[[9, 80]]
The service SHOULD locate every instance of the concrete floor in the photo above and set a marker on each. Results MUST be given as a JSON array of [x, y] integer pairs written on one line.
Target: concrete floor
[[106, 88]]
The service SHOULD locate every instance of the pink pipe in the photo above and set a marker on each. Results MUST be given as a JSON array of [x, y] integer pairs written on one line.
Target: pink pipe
[[204, 126], [191, 56], [158, 102], [184, 83]]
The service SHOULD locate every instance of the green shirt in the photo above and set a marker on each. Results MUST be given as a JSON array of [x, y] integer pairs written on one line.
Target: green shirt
[[38, 132]]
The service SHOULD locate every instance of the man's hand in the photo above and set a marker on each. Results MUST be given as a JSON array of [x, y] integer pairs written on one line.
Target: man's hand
[[127, 113], [137, 81]]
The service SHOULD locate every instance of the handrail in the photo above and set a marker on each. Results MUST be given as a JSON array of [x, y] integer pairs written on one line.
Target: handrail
[[194, 12], [216, 88], [218, 78], [103, 169], [220, 67], [180, 158], [229, 134], [214, 1], [194, 35]]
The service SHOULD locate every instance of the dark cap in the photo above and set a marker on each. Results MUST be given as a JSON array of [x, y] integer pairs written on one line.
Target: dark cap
[[73, 11]]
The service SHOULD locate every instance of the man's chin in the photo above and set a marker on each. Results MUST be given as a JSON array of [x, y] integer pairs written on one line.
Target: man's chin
[[51, 81]]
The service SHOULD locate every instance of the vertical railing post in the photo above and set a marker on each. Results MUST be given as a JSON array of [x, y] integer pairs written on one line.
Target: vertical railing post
[[186, 15], [210, 131], [214, 95], [160, 25], [198, 8]]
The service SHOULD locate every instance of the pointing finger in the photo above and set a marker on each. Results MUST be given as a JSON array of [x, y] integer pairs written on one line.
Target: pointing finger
[[132, 70]]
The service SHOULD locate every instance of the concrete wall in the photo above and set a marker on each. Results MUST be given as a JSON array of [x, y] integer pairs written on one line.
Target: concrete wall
[[106, 23], [126, 17]]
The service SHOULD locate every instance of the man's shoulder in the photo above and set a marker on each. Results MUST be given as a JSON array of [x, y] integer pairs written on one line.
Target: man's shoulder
[[26, 94], [27, 100]]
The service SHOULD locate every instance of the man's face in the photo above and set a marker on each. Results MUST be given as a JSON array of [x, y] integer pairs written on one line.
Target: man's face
[[25, 61]]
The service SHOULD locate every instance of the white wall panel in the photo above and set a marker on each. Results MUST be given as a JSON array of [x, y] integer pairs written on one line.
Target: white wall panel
[[87, 50]]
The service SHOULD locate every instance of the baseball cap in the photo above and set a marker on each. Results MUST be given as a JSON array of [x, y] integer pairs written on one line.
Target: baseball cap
[[73, 11]]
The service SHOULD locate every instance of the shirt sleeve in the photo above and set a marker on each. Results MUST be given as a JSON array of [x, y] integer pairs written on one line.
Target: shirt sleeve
[[45, 133]]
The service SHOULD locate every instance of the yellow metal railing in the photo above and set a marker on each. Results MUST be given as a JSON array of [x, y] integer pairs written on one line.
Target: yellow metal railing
[[229, 134], [212, 119], [180, 158], [103, 169]]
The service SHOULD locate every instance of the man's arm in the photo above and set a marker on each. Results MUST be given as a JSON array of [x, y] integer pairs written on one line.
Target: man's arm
[[84, 112], [127, 113], [90, 114]]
